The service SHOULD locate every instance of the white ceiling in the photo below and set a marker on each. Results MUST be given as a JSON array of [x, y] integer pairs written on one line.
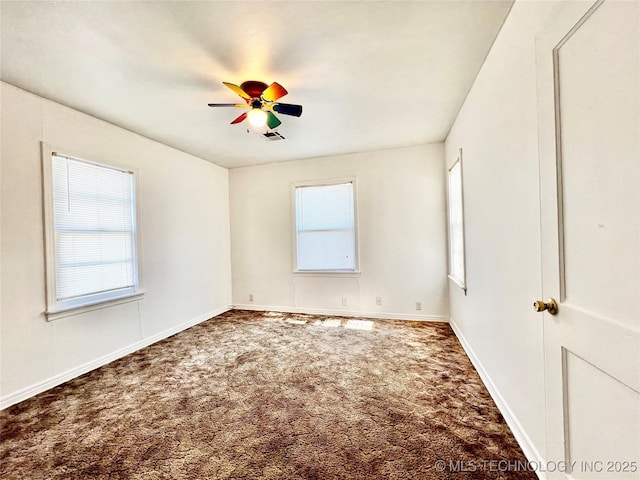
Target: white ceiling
[[370, 75]]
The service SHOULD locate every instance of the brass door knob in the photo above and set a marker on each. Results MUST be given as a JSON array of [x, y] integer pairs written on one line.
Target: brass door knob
[[550, 306]]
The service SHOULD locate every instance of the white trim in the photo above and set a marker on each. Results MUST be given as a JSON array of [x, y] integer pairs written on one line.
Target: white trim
[[326, 273], [342, 313], [183, 326], [53, 305], [323, 182], [356, 240], [76, 310], [518, 431], [460, 282], [31, 390]]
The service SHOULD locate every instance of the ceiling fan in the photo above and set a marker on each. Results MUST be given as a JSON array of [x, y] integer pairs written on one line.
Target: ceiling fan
[[261, 100]]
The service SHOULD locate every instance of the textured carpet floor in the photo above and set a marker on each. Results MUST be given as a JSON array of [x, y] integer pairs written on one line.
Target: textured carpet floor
[[276, 396]]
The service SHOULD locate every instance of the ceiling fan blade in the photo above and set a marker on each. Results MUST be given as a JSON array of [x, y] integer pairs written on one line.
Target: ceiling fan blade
[[238, 90], [272, 120], [240, 118], [238, 105], [274, 92], [288, 109]]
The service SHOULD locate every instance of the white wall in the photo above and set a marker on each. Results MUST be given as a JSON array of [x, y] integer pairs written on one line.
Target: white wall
[[184, 224], [497, 130], [401, 220]]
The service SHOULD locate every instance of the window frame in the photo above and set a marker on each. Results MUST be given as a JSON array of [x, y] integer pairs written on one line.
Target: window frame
[[328, 272], [459, 282], [54, 308]]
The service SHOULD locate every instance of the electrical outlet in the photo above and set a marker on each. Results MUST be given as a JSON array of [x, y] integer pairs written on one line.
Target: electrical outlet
[[344, 302], [418, 305], [251, 297], [378, 300]]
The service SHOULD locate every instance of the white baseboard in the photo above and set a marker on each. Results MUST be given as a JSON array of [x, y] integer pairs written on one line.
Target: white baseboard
[[183, 326], [519, 433], [342, 313], [31, 390]]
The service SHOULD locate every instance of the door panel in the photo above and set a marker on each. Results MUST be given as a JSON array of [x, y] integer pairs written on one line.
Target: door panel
[[586, 416], [588, 120], [598, 74]]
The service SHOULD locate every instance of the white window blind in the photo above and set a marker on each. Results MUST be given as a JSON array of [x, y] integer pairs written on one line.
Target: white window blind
[[456, 232], [325, 227], [93, 232]]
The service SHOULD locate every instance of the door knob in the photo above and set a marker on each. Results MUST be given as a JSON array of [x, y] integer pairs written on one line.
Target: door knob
[[550, 305]]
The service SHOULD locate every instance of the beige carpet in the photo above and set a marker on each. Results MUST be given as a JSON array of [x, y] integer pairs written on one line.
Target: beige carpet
[[251, 395]]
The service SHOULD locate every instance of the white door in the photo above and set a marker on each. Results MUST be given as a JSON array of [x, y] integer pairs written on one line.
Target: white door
[[589, 135]]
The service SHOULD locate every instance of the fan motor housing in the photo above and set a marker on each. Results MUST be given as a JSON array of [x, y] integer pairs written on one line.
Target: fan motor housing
[[254, 88]]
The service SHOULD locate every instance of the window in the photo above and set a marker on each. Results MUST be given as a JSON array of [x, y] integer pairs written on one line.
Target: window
[[456, 224], [325, 227], [90, 224]]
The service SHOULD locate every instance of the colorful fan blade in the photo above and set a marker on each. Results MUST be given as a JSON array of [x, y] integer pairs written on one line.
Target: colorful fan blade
[[238, 90], [272, 120], [288, 109], [274, 92], [238, 105], [240, 118]]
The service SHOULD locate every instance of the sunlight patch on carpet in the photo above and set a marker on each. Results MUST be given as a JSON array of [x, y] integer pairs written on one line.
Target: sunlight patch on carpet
[[332, 323], [359, 324], [295, 321]]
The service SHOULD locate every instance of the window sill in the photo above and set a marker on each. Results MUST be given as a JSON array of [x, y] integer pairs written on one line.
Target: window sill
[[326, 273], [77, 310], [458, 284]]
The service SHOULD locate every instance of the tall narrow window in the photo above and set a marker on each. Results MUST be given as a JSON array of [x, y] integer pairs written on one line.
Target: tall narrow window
[[91, 234], [325, 227], [456, 225]]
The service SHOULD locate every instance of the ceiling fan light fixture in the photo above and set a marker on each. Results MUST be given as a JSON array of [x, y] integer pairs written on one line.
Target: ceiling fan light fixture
[[260, 99], [257, 117]]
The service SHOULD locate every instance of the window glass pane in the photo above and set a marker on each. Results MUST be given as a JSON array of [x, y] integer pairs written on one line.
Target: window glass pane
[[327, 250], [325, 227], [94, 228], [456, 234], [325, 207], [96, 278]]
